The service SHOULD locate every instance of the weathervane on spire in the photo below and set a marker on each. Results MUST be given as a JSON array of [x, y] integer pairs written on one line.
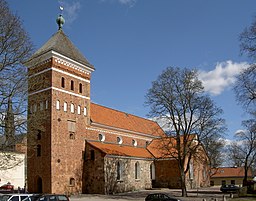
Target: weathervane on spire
[[60, 20]]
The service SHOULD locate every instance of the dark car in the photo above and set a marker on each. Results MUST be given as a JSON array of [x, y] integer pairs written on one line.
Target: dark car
[[229, 188], [160, 197], [7, 187], [53, 197]]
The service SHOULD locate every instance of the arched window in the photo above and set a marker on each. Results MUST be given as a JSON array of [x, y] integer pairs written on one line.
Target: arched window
[[46, 104], [41, 105], [72, 182], [72, 85], [152, 171], [63, 82], [72, 108], [39, 134], [80, 88], [35, 107], [119, 170], [65, 108], [57, 104], [38, 150], [78, 109], [85, 111], [137, 170]]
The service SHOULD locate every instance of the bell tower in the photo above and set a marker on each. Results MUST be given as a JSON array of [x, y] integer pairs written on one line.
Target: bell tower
[[58, 113]]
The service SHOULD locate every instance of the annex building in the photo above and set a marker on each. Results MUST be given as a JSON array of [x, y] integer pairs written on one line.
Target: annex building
[[76, 146]]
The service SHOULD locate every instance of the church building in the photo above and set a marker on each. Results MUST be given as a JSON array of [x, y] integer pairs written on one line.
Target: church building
[[74, 145]]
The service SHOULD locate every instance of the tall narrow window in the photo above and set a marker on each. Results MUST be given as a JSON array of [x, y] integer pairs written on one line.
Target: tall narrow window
[[78, 109], [41, 106], [152, 171], [39, 132], [46, 104], [72, 108], [137, 170], [80, 88], [119, 170], [38, 150], [72, 85], [57, 104], [85, 111], [65, 108], [35, 107], [63, 82]]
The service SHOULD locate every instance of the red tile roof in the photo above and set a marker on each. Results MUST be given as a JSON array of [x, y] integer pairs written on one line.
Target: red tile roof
[[122, 150], [121, 120], [166, 147], [230, 172]]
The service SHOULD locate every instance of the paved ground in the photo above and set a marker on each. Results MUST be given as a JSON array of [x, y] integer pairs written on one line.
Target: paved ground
[[193, 195]]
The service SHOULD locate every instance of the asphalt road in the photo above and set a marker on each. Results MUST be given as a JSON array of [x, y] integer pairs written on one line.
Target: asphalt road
[[209, 194]]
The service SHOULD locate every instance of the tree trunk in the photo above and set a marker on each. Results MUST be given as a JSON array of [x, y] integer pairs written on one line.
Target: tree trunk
[[245, 176], [183, 183]]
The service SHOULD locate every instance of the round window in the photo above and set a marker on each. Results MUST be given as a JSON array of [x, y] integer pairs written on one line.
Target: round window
[[119, 140], [101, 137]]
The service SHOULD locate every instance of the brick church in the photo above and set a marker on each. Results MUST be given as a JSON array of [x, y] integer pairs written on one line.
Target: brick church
[[76, 146]]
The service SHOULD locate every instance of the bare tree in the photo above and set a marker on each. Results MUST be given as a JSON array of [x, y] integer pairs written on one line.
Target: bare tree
[[15, 48], [243, 150], [248, 40], [178, 96], [245, 89]]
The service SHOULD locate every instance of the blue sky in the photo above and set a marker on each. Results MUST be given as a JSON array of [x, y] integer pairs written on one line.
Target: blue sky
[[130, 42]]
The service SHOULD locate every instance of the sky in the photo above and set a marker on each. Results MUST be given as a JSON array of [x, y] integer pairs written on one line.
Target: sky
[[130, 43]]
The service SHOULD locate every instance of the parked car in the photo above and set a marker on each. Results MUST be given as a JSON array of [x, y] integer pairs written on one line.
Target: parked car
[[7, 187], [229, 188], [53, 197], [160, 197], [33, 197], [14, 197]]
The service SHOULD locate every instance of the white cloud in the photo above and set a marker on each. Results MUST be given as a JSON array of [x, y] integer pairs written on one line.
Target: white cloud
[[222, 77], [70, 11], [129, 3]]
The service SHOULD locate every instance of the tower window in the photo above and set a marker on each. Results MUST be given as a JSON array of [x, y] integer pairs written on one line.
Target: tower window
[[35, 107], [78, 109], [39, 134], [63, 82], [41, 105], [85, 111], [71, 135], [72, 85], [134, 142], [80, 88], [38, 150], [72, 108], [46, 104], [65, 107], [57, 104]]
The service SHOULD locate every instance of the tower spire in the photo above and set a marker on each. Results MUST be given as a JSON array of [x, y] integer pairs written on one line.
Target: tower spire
[[60, 20]]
